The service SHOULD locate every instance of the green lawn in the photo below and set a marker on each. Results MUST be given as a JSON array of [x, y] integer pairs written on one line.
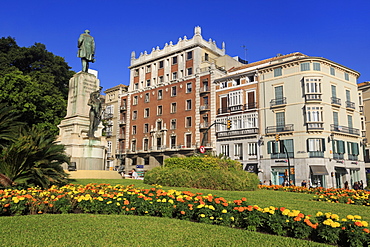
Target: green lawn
[[121, 230]]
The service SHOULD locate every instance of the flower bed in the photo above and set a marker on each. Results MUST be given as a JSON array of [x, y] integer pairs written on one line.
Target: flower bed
[[106, 199], [357, 197]]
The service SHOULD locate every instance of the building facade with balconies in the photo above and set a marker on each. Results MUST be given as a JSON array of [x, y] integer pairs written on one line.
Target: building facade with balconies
[[311, 104], [364, 97], [237, 101], [170, 100], [111, 114]]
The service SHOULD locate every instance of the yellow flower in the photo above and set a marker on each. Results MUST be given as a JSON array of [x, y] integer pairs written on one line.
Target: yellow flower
[[287, 221], [365, 224], [232, 218], [211, 217], [211, 207], [319, 214], [200, 206], [350, 217], [286, 212], [109, 202], [164, 200], [170, 201], [224, 211], [202, 215], [357, 217]]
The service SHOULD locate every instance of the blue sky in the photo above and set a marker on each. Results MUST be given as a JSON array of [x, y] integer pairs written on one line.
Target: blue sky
[[337, 30]]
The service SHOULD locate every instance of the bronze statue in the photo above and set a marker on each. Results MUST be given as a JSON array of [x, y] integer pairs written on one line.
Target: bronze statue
[[95, 112], [86, 50]]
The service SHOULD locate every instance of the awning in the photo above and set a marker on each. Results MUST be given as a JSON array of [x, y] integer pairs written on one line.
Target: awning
[[340, 170], [319, 170]]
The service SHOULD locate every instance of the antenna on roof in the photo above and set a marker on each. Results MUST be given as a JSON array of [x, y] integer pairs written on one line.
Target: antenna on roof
[[245, 52]]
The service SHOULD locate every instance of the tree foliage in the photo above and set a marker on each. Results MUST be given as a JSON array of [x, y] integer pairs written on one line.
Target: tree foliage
[[35, 82]]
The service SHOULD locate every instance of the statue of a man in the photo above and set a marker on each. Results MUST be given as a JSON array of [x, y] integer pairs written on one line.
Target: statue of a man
[[86, 49], [95, 112]]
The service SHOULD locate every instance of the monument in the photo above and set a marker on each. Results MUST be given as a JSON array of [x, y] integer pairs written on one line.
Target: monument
[[81, 129]]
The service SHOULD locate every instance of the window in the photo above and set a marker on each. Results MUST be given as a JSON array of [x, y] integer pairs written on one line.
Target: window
[[348, 95], [174, 60], [173, 107], [190, 71], [148, 83], [235, 98], [335, 119], [161, 79], [317, 66], [189, 55], [173, 91], [173, 124], [146, 128], [332, 71], [188, 140], [187, 122], [206, 57], [278, 72], [346, 76], [279, 94], [159, 125], [146, 144], [159, 110], [160, 94], [109, 151], [313, 85], [225, 149], [305, 66], [188, 104], [314, 114], [188, 87], [136, 86], [252, 148], [136, 72], [146, 97], [277, 148], [146, 112], [174, 75], [223, 84], [238, 151], [148, 69], [134, 115], [280, 121], [173, 142], [161, 64], [333, 91], [350, 122], [338, 147], [133, 146], [134, 130], [353, 150], [315, 147], [236, 82], [135, 100]]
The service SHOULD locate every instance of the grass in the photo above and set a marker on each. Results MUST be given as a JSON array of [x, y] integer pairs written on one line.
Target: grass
[[118, 230]]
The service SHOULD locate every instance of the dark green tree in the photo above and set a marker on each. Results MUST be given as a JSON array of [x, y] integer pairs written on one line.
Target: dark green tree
[[35, 82]]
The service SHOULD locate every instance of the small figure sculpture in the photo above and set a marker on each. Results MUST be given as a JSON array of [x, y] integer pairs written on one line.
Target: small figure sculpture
[[86, 50], [95, 112]]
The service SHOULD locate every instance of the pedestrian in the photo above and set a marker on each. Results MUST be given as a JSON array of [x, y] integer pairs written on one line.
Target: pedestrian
[[304, 183], [346, 187], [356, 186], [134, 174], [361, 185]]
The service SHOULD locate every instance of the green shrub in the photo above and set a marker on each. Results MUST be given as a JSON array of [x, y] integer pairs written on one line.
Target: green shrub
[[216, 179], [196, 163]]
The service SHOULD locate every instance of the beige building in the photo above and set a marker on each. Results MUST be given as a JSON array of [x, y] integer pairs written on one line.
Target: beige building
[[111, 114], [311, 104], [364, 97]]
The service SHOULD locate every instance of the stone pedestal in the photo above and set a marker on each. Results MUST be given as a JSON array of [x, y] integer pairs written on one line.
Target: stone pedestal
[[87, 153]]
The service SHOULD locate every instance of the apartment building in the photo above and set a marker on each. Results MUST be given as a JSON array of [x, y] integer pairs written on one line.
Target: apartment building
[[311, 105], [364, 97], [170, 101], [237, 101], [111, 114]]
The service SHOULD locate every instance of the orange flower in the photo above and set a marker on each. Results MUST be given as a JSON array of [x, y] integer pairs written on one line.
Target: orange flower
[[6, 205], [225, 204], [297, 218], [244, 199], [343, 228], [366, 230], [51, 205], [358, 223], [182, 212]]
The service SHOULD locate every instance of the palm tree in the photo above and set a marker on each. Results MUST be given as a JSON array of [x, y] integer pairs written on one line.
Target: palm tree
[[34, 158], [9, 124]]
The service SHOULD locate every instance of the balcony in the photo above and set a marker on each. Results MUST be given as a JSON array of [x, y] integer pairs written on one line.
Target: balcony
[[313, 97], [121, 137], [282, 155], [223, 110], [250, 106], [315, 126], [121, 122], [204, 107], [250, 131], [204, 125], [344, 129], [352, 157], [316, 154], [280, 129], [108, 115], [278, 102], [123, 108], [335, 101], [236, 108], [245, 107], [204, 89], [338, 156], [108, 133], [350, 105], [110, 123]]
